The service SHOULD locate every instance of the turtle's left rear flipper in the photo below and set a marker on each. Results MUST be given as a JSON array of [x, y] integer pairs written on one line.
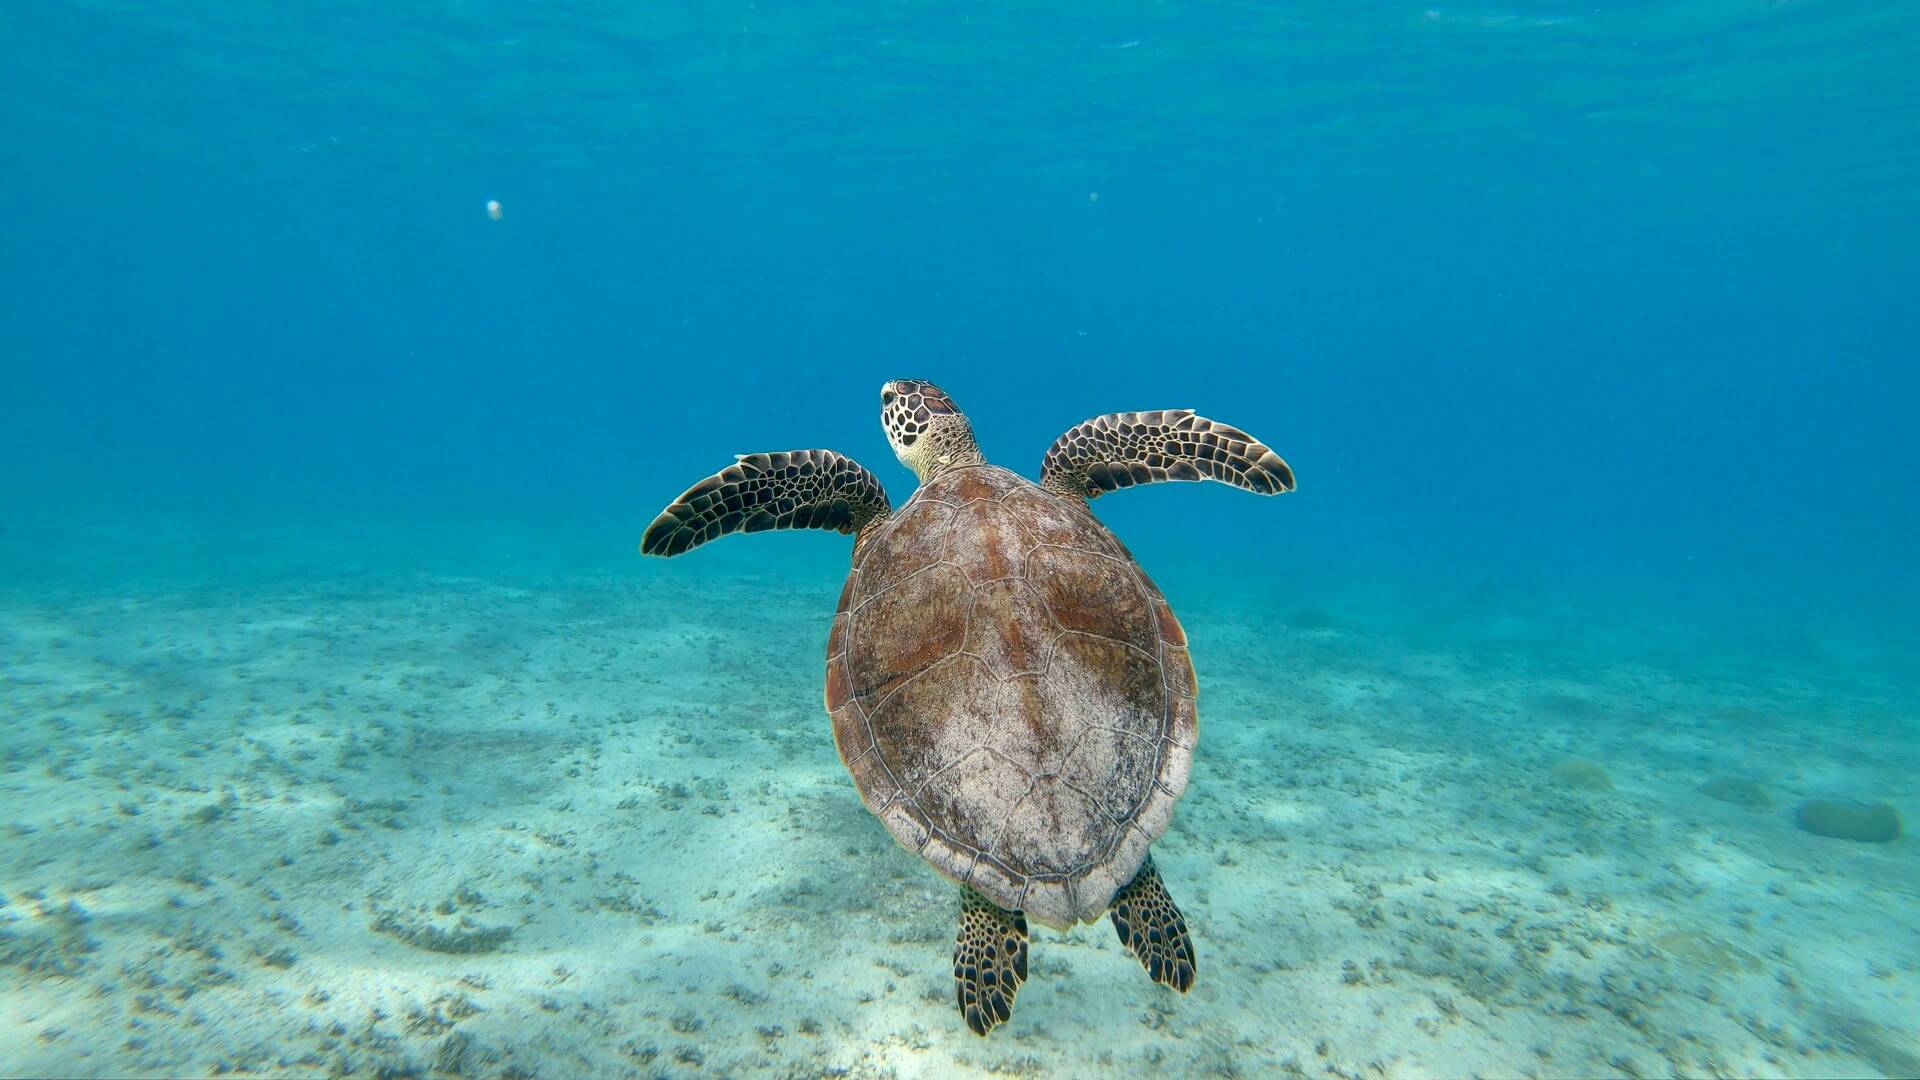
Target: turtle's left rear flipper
[[791, 489], [989, 961]]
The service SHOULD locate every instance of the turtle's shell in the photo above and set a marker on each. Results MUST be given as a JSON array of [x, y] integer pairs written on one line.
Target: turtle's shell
[[1011, 693]]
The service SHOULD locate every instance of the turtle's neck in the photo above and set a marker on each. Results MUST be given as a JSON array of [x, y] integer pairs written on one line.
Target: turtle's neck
[[944, 465], [946, 448]]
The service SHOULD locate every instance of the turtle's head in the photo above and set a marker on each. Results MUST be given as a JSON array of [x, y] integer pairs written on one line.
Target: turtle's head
[[928, 432]]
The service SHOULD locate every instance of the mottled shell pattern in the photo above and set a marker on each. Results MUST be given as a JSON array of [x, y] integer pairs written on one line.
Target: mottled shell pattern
[[1011, 693]]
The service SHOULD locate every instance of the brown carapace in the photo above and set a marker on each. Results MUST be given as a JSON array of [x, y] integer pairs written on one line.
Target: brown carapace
[[1010, 692]]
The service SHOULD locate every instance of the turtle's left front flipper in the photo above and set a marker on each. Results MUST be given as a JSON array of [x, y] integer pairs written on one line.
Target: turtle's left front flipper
[[1121, 450], [791, 489]]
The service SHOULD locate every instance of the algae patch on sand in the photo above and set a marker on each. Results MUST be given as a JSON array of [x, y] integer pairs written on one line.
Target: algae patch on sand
[[1707, 952], [1311, 619], [1582, 774], [1738, 792], [458, 940], [59, 947], [1872, 823]]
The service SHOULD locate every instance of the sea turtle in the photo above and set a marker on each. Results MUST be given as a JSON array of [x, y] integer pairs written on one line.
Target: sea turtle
[[1009, 690]]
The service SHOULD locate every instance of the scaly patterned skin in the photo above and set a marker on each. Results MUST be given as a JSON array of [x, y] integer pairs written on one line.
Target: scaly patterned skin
[[989, 962], [1119, 450], [928, 432], [793, 489], [1150, 924]]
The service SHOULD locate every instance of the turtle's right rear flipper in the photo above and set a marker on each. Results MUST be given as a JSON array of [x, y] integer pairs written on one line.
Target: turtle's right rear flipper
[[1150, 923], [989, 961], [792, 489]]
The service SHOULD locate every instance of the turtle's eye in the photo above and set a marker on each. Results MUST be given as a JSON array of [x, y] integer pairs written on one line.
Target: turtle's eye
[[886, 397]]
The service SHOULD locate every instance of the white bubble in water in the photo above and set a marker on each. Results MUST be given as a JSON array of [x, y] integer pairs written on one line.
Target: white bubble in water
[[493, 209]]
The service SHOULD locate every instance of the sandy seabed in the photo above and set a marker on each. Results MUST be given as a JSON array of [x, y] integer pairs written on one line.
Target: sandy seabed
[[585, 822]]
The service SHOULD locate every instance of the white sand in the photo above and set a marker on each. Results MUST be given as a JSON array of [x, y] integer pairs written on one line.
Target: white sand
[[539, 823]]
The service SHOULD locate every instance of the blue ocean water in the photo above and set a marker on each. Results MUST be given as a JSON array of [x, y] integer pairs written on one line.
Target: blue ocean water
[[1593, 294], [1599, 317]]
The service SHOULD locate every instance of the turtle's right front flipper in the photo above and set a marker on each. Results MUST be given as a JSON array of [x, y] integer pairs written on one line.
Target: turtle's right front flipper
[[1119, 450], [791, 489]]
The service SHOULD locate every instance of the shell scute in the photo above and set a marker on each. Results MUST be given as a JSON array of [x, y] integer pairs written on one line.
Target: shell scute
[[1093, 595], [906, 627], [1010, 628], [839, 687]]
